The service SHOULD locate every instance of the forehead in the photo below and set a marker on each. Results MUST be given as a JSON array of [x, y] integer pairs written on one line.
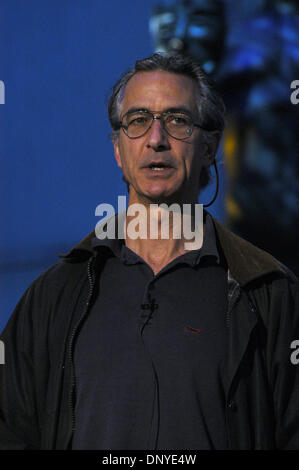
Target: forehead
[[160, 90]]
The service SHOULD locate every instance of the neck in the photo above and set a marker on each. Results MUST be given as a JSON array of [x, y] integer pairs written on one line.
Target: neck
[[160, 232]]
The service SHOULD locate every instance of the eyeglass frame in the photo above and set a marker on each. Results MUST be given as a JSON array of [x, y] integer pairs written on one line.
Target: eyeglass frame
[[161, 119]]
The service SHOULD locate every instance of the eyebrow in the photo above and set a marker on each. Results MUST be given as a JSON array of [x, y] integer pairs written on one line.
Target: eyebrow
[[180, 109]]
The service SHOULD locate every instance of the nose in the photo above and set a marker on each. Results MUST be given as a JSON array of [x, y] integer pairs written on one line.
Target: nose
[[157, 137]]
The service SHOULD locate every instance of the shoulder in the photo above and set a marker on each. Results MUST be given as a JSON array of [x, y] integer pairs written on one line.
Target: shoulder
[[58, 275], [246, 262], [50, 290]]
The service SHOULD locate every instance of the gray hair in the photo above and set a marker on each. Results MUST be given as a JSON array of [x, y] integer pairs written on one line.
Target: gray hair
[[211, 107]]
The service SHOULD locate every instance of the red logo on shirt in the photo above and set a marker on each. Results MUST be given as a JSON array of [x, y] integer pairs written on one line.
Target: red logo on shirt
[[189, 329]]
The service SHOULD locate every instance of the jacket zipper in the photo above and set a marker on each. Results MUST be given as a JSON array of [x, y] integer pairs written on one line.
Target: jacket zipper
[[91, 279], [233, 296], [232, 299]]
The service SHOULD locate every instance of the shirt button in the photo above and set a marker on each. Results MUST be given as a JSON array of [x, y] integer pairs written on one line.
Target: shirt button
[[232, 405]]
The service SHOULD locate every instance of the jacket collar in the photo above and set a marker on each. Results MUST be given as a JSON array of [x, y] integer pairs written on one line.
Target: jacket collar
[[245, 261]]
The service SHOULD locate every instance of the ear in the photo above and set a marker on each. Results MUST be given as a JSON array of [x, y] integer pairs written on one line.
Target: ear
[[211, 143], [117, 152]]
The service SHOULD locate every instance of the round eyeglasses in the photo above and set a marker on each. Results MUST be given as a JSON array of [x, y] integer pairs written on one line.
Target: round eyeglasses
[[178, 125]]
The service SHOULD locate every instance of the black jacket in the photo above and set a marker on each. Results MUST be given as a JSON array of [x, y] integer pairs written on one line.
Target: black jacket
[[37, 383]]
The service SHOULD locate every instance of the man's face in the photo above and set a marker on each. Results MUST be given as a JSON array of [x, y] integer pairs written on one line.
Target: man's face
[[161, 91]]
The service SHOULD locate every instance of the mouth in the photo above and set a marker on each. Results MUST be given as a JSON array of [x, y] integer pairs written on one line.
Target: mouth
[[158, 170], [158, 166]]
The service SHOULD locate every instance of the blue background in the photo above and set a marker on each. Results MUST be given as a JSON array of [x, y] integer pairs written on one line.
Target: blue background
[[59, 60]]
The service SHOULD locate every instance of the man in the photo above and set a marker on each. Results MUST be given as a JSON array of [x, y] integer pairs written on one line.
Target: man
[[140, 343]]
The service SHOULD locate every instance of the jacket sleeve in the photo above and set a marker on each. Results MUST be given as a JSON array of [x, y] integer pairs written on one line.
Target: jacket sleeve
[[19, 427], [283, 362]]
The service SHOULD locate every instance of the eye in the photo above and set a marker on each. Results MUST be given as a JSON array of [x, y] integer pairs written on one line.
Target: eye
[[178, 120], [138, 120]]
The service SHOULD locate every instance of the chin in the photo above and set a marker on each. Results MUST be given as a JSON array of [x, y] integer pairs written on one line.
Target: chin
[[161, 195]]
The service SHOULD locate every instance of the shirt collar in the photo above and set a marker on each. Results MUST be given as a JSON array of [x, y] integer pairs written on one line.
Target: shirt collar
[[193, 257]]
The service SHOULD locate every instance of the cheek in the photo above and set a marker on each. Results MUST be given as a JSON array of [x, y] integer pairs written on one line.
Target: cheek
[[197, 155], [128, 157], [192, 161], [123, 152]]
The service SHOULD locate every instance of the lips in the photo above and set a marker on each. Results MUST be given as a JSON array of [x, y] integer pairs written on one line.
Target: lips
[[154, 167], [158, 166], [158, 171], [154, 162]]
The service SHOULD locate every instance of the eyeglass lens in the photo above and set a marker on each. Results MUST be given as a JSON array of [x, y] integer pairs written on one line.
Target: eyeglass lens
[[178, 125]]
